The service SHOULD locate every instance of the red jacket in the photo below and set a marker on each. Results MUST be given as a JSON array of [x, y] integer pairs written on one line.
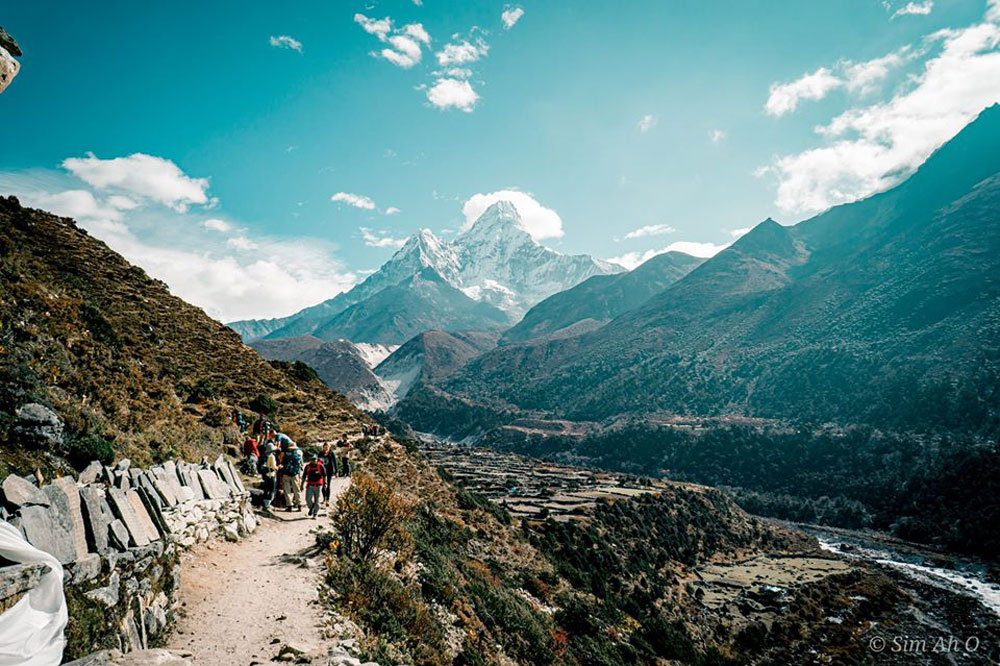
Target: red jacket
[[250, 447], [315, 473]]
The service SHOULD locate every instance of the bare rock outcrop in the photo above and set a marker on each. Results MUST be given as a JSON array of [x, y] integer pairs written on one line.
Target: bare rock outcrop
[[9, 67]]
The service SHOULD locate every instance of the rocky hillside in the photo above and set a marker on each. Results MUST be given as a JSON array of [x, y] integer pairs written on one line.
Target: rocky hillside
[[100, 360], [594, 302], [431, 356], [342, 365], [885, 311], [487, 278]]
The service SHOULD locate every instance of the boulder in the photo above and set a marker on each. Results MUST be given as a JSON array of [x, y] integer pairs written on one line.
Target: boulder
[[17, 579], [47, 532], [64, 496], [152, 533], [118, 536], [87, 568], [108, 595], [97, 516], [213, 487], [18, 491], [154, 510], [38, 426], [123, 510], [92, 473], [237, 481]]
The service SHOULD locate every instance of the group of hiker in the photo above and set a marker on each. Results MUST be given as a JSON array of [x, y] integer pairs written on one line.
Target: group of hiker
[[374, 430], [285, 471]]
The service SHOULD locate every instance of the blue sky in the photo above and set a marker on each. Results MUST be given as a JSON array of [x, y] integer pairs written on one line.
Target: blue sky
[[207, 141]]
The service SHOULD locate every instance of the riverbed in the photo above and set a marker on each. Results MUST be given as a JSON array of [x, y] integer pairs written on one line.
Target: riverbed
[[962, 577]]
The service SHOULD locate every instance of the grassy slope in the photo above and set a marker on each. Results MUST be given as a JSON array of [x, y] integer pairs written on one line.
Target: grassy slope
[[118, 357]]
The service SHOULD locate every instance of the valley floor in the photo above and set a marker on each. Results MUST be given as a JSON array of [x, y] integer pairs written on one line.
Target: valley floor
[[243, 601]]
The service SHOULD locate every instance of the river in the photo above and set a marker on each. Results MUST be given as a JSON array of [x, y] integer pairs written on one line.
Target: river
[[963, 577]]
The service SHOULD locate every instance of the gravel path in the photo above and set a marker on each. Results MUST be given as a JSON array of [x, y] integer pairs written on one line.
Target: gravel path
[[242, 601]]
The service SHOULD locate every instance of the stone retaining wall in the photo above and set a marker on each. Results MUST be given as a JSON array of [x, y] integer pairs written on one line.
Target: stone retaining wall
[[119, 531]]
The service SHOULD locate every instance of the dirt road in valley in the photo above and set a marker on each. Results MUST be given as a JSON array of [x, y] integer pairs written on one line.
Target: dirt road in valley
[[242, 601]]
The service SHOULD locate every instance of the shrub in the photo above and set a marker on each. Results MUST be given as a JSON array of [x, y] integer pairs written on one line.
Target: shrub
[[264, 404], [204, 389], [81, 451], [368, 517]]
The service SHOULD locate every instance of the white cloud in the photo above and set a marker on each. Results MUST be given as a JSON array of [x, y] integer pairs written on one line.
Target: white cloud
[[455, 72], [717, 135], [241, 243], [280, 277], [405, 52], [216, 224], [417, 32], [865, 77], [915, 8], [380, 238], [391, 210], [784, 97], [378, 27], [286, 42], [647, 122], [510, 16], [742, 231], [631, 260], [452, 93], [540, 222], [122, 202], [404, 43], [650, 230], [141, 175], [696, 249], [462, 52], [83, 206], [356, 200], [418, 3], [872, 148]]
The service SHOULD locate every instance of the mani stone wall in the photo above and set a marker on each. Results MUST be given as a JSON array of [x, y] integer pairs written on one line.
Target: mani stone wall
[[118, 532]]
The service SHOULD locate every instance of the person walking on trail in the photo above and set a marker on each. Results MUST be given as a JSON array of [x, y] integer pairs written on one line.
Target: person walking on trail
[[315, 478], [269, 475], [345, 465], [251, 455], [329, 459], [291, 475]]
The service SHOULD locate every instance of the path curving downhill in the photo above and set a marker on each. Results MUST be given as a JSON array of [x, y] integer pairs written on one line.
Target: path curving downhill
[[242, 601]]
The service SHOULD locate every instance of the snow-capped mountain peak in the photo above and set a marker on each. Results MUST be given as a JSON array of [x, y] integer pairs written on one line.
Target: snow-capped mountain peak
[[423, 250]]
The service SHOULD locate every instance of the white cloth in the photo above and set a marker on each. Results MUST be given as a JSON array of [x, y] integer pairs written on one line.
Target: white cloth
[[31, 632]]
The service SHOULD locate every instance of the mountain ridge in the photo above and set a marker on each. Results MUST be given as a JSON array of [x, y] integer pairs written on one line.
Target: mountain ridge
[[866, 313], [494, 263]]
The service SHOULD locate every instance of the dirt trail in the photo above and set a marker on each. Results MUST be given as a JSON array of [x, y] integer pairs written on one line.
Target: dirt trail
[[239, 597]]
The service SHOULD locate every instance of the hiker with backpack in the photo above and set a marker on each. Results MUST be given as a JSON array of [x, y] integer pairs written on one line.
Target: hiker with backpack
[[315, 480], [251, 455], [291, 473], [329, 458]]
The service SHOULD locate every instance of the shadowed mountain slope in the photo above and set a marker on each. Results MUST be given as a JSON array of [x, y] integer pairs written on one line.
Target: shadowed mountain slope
[[592, 303]]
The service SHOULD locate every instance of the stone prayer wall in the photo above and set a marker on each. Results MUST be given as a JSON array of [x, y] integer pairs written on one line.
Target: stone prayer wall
[[118, 531]]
